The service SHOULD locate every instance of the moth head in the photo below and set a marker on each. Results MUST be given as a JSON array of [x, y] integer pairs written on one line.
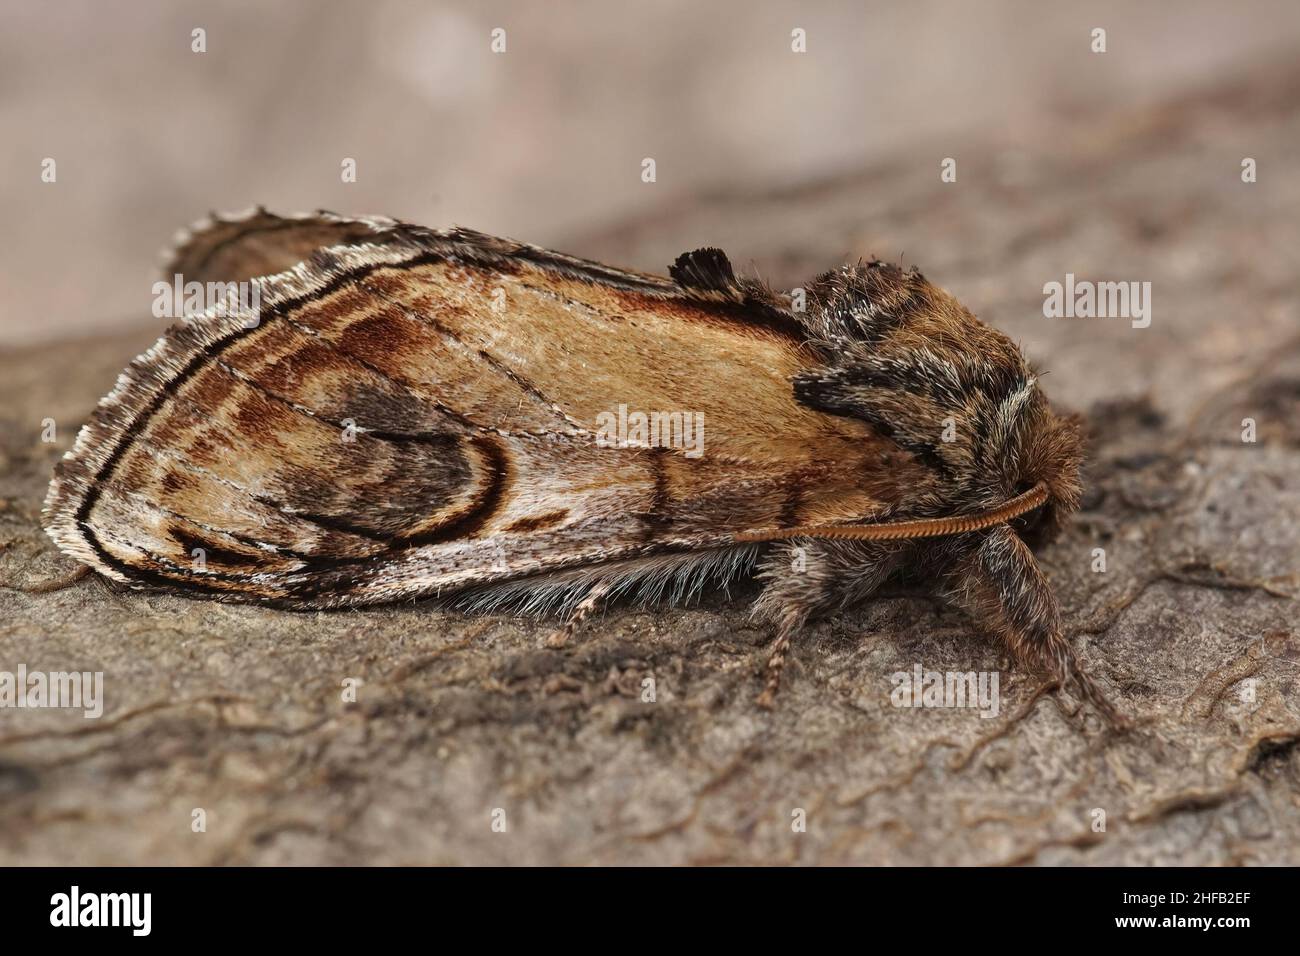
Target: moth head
[[1051, 454]]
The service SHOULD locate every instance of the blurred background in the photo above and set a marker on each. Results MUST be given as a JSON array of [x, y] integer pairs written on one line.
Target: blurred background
[[543, 142]]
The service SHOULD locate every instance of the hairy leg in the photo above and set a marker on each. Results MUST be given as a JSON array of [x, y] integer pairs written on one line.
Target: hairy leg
[[581, 611], [993, 577], [808, 579]]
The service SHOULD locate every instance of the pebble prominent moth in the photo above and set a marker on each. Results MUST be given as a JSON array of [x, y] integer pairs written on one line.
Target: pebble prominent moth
[[413, 413]]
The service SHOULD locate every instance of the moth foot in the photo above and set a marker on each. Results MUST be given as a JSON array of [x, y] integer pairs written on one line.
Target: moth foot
[[583, 610], [775, 664], [1090, 692]]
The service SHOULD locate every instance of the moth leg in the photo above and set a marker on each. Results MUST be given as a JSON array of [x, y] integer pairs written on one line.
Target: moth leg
[[790, 623], [999, 584], [809, 579], [581, 611]]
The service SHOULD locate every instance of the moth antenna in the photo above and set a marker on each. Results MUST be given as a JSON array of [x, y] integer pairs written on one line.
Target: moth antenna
[[1035, 497]]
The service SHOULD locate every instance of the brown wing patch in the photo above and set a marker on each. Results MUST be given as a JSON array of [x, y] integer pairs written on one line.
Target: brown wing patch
[[241, 437], [422, 355], [539, 522]]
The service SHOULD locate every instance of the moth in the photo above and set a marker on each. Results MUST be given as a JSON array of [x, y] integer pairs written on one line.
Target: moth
[[414, 413]]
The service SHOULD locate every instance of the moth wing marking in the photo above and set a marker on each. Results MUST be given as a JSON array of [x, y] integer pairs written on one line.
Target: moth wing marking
[[235, 247]]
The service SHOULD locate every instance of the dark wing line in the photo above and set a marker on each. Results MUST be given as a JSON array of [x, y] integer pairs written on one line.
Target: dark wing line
[[472, 246], [243, 539], [747, 302], [483, 355], [393, 438], [388, 377]]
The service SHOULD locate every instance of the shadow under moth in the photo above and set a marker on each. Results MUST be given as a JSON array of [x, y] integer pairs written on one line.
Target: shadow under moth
[[413, 413]]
